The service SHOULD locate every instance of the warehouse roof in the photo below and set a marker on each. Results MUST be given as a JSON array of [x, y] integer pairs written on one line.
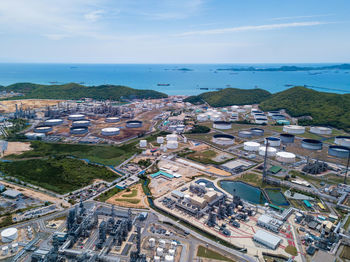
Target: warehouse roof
[[11, 193], [267, 237]]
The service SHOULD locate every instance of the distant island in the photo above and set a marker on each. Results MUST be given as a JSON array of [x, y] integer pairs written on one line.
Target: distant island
[[287, 68], [321, 108], [184, 69], [77, 91]]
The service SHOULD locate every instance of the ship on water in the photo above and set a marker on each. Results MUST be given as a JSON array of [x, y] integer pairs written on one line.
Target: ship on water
[[163, 84]]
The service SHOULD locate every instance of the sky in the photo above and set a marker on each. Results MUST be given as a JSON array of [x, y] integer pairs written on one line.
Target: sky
[[174, 31]]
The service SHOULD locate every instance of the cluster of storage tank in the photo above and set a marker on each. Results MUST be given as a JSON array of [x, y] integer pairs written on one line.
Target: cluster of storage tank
[[160, 253], [80, 125], [211, 114], [259, 116]]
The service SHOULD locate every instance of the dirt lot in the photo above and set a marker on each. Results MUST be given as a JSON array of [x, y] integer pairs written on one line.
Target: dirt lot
[[10, 105], [16, 148], [134, 198]]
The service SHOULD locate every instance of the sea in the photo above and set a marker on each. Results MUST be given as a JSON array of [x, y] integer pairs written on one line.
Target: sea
[[197, 79]]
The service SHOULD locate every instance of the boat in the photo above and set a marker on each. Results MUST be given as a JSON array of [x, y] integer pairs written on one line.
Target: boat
[[163, 84], [204, 88]]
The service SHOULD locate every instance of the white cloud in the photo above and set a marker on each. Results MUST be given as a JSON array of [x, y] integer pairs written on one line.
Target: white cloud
[[94, 15], [300, 17], [250, 28]]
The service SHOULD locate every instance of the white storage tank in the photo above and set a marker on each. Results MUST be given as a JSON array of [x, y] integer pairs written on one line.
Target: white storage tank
[[14, 247], [173, 244], [172, 252], [160, 140], [285, 157], [172, 144], [169, 258], [270, 151], [294, 129], [251, 146], [202, 117], [76, 117], [160, 251], [342, 140], [273, 141], [320, 130], [162, 243], [143, 143], [156, 259], [152, 242], [5, 250], [53, 122], [8, 235], [171, 137], [234, 108], [110, 131], [215, 117], [112, 119]]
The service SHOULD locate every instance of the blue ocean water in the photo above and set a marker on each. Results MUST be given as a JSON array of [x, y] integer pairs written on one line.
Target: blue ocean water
[[147, 76]]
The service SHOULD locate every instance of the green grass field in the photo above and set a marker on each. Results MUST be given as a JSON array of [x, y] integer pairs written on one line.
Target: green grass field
[[129, 200], [103, 154], [132, 194], [108, 194], [211, 254], [60, 175]]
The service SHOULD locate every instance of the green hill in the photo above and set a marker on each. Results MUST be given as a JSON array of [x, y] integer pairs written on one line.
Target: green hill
[[230, 96], [76, 91], [327, 109]]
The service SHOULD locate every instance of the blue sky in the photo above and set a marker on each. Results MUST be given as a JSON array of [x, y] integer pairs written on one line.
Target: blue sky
[[175, 31]]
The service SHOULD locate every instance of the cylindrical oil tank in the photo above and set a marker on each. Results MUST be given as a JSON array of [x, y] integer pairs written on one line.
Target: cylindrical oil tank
[[245, 134], [134, 124], [156, 259], [162, 243], [271, 151], [84, 123], [8, 235], [285, 157], [171, 137], [234, 108], [257, 131], [160, 140], [76, 117], [215, 117], [222, 125], [112, 119], [152, 242], [53, 122], [173, 244], [287, 138], [14, 247], [255, 111], [143, 143], [342, 140], [273, 141], [339, 151], [294, 129], [320, 130], [172, 144], [259, 116], [43, 129], [223, 139], [78, 130], [202, 117], [160, 251], [247, 107], [283, 122], [271, 113], [110, 131], [169, 258], [261, 121], [172, 252], [251, 146], [311, 144], [278, 117]]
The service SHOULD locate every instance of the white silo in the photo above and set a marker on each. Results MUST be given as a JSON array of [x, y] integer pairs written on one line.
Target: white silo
[[160, 140], [169, 258], [270, 151], [172, 144], [160, 251], [143, 143], [151, 242], [162, 243]]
